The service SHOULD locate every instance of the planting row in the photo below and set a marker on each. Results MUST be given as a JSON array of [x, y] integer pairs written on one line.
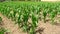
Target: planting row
[[27, 14]]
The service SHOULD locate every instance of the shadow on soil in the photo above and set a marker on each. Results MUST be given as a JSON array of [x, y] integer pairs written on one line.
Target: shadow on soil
[[40, 30]]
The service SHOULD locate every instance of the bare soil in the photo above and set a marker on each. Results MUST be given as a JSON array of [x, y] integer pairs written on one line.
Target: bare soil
[[11, 26], [14, 29]]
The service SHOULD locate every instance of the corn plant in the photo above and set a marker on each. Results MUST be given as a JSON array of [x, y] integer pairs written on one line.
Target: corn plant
[[53, 15], [2, 30], [33, 24], [0, 19], [44, 15], [20, 12]]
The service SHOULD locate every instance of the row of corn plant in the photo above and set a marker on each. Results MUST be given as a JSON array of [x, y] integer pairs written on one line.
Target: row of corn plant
[[21, 12]]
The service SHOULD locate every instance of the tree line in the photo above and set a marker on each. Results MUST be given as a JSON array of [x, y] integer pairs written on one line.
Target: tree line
[[19, 0]]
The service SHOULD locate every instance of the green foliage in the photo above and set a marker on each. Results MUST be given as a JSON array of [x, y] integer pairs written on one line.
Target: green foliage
[[2, 30], [44, 15], [20, 12], [0, 19]]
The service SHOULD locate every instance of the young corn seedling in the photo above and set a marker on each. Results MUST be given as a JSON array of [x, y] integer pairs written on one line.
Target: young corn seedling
[[53, 15], [11, 13], [39, 13], [33, 24], [8, 12], [25, 20], [0, 21], [19, 21], [14, 13], [2, 30], [34, 20], [32, 30], [44, 15]]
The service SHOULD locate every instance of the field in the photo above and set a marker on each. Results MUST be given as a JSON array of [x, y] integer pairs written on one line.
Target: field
[[20, 17]]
